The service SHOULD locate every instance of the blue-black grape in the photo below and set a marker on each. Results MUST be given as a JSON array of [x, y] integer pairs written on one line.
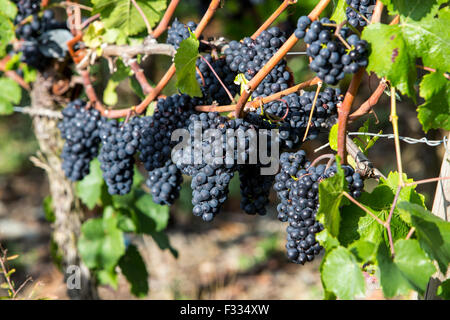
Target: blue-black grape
[[363, 7], [120, 142], [165, 183], [80, 130], [331, 59], [179, 32], [297, 186]]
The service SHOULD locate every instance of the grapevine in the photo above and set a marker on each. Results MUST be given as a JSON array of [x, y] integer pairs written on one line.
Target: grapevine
[[237, 110]]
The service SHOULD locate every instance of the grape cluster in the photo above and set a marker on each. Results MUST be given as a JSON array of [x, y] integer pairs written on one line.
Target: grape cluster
[[179, 32], [120, 141], [364, 7], [331, 58], [171, 113], [255, 189], [26, 8], [165, 183], [294, 111], [297, 186], [249, 56], [31, 34], [211, 87], [80, 130], [211, 174]]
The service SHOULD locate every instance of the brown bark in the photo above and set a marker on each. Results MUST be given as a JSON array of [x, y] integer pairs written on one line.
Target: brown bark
[[68, 213]]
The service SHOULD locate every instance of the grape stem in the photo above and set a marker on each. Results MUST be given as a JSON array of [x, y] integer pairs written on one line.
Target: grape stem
[[253, 105], [276, 58], [162, 26], [367, 105], [139, 9], [167, 76], [321, 157], [12, 74], [319, 85], [394, 121], [273, 17], [344, 110], [218, 78], [140, 76], [363, 208]]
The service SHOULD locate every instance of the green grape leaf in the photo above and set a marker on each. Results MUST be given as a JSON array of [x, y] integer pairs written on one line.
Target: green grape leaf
[[326, 240], [185, 60], [108, 277], [6, 33], [8, 9], [29, 73], [89, 189], [435, 112], [444, 290], [391, 279], [122, 72], [333, 137], [133, 268], [413, 263], [390, 56], [330, 199], [123, 15], [163, 242], [10, 94], [158, 214], [363, 250], [126, 220], [357, 224], [432, 232], [339, 12], [101, 242], [341, 274], [412, 9]]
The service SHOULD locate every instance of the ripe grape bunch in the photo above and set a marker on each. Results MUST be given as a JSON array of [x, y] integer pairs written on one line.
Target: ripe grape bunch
[[80, 130], [297, 186], [31, 33], [210, 178], [356, 8], [294, 113], [249, 56], [165, 183], [212, 89], [171, 113], [120, 141], [179, 32], [333, 56]]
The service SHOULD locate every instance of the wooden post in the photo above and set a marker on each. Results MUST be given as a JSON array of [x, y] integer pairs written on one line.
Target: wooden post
[[68, 213], [441, 208]]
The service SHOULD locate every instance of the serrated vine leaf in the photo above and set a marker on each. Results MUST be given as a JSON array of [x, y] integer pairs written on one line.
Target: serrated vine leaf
[[435, 112], [101, 242], [390, 56], [185, 60], [395, 49], [432, 232], [391, 279], [108, 277], [413, 263], [10, 94], [133, 268], [363, 250], [122, 15], [163, 242], [330, 198], [412, 9], [341, 274], [89, 189]]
